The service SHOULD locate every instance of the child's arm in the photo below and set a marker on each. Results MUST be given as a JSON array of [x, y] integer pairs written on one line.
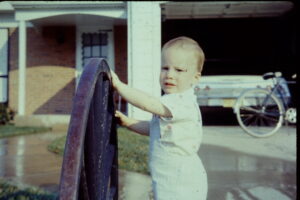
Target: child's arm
[[139, 98], [141, 127]]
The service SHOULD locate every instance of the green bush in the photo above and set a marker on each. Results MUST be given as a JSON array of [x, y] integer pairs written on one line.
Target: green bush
[[6, 114], [10, 191]]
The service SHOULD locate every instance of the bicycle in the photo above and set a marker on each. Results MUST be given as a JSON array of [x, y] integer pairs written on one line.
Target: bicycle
[[261, 112]]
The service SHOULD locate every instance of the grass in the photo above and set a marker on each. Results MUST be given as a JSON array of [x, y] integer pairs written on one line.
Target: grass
[[12, 191], [10, 130], [58, 145], [132, 150]]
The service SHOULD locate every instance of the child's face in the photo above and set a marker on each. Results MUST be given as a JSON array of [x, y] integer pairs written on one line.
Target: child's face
[[179, 70]]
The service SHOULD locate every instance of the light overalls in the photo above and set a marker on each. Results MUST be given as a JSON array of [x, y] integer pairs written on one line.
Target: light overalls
[[176, 169]]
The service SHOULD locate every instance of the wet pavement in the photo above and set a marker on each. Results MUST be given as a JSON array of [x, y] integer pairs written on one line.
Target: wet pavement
[[239, 167], [25, 159], [242, 167]]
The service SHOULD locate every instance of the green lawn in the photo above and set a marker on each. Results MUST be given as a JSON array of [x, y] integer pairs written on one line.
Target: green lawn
[[10, 130], [132, 150]]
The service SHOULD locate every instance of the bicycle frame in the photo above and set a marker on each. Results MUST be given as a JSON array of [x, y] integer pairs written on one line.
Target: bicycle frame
[[279, 90], [261, 111]]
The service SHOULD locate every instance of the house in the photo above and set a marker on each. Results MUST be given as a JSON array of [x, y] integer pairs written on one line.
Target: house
[[45, 45]]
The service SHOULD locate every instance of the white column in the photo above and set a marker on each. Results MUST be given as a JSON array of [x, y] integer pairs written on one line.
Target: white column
[[22, 68], [144, 50]]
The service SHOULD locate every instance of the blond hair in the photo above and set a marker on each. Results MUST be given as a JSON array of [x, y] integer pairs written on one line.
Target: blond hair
[[188, 44]]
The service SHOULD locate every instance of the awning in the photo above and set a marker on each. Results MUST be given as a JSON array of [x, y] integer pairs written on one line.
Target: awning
[[224, 9]]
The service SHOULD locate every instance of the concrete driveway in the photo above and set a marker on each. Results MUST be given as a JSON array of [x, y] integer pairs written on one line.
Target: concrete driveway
[[246, 168], [239, 167]]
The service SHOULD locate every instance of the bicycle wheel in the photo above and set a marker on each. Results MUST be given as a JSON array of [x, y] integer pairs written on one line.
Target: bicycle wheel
[[259, 113]]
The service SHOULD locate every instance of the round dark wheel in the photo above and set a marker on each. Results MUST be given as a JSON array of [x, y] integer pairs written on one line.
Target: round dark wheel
[[90, 168]]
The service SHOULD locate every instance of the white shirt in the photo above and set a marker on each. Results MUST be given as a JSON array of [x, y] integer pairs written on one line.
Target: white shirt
[[181, 134]]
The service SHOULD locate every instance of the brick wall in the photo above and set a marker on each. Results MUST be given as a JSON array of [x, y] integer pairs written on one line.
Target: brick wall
[[120, 42], [50, 80], [50, 71]]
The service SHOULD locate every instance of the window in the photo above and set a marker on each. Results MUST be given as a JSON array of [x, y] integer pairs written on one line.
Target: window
[[94, 45]]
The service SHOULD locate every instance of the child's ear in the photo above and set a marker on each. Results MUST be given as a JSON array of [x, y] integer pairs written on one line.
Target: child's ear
[[197, 77]]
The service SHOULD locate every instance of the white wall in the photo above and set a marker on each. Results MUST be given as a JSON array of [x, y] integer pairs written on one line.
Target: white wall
[[144, 46]]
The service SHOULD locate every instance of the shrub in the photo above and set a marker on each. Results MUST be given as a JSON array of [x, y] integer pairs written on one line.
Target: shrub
[[11, 191], [6, 114]]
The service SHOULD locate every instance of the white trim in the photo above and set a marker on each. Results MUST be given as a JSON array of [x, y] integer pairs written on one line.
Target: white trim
[[92, 29], [6, 7], [9, 24], [7, 20], [22, 68], [66, 4], [37, 14], [29, 10], [13, 24]]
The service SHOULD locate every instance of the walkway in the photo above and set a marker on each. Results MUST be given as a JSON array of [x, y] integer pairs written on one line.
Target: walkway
[[238, 166]]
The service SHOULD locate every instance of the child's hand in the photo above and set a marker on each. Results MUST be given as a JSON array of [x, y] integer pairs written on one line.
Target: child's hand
[[122, 119], [115, 79]]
